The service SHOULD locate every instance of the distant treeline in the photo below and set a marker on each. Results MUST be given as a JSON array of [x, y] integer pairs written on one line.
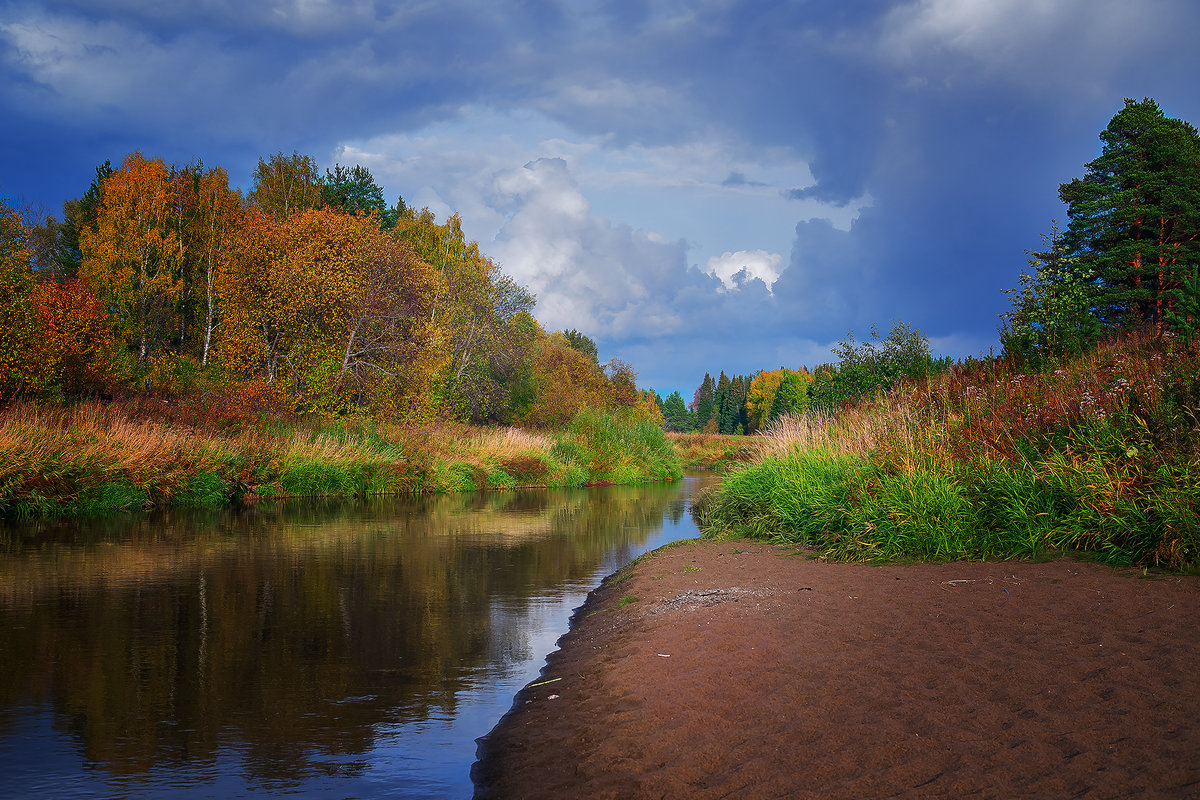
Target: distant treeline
[[310, 294], [747, 404]]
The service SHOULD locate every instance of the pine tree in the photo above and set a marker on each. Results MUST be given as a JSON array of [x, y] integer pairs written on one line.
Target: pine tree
[[702, 402], [583, 343], [1135, 215], [719, 400], [675, 414], [733, 407], [353, 190]]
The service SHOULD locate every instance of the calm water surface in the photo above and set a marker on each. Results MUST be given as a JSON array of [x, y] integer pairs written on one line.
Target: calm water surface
[[324, 650]]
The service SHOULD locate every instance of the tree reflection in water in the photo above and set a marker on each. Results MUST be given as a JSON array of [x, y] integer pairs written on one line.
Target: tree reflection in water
[[292, 633]]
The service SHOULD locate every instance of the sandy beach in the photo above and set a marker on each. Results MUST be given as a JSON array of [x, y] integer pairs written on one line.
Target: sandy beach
[[742, 670]]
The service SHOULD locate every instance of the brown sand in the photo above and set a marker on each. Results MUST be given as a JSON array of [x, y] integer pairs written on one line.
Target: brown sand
[[761, 674]]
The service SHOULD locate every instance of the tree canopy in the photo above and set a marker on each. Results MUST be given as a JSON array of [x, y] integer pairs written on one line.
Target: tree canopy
[[1129, 257], [1135, 216]]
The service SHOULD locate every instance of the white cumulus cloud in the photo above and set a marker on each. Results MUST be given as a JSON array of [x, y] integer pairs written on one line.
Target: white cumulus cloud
[[735, 268], [588, 273]]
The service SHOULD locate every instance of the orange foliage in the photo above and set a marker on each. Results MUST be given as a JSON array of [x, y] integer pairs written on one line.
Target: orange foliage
[[131, 255], [77, 343]]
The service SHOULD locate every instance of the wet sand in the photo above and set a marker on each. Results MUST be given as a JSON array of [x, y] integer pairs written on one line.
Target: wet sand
[[743, 670]]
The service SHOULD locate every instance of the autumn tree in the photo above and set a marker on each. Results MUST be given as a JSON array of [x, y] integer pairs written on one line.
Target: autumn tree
[[18, 322], [486, 392], [332, 308], [565, 381], [284, 185], [473, 304], [76, 345], [56, 339], [622, 381], [208, 212], [387, 361], [760, 396], [511, 389], [648, 406], [133, 254]]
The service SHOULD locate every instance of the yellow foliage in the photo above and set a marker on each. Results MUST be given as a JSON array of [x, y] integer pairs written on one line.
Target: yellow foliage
[[647, 408], [331, 306], [760, 396], [565, 381], [19, 364]]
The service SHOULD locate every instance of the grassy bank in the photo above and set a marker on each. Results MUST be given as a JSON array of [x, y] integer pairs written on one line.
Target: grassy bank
[[714, 452], [1099, 455], [92, 458]]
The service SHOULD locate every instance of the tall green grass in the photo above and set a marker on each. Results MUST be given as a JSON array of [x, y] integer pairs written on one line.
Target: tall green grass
[[1099, 455], [618, 448]]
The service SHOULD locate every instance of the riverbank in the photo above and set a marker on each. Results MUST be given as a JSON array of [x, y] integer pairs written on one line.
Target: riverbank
[[740, 669], [92, 458], [1096, 454]]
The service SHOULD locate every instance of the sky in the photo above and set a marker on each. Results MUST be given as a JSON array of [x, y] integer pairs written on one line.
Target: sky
[[699, 186]]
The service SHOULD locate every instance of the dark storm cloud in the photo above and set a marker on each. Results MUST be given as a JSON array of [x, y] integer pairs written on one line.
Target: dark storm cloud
[[949, 123]]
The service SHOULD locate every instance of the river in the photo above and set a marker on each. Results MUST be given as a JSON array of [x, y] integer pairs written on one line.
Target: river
[[319, 649]]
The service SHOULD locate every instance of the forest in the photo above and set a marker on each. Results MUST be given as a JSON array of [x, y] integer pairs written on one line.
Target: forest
[[307, 295], [171, 342], [748, 404]]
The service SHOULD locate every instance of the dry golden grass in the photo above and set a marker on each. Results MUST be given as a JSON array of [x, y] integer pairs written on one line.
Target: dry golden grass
[[91, 434], [712, 451], [312, 446], [792, 432], [509, 443]]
